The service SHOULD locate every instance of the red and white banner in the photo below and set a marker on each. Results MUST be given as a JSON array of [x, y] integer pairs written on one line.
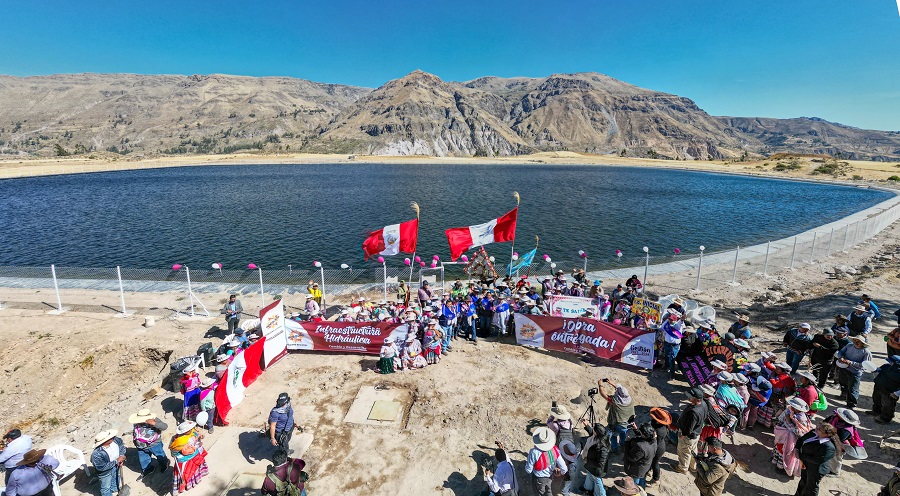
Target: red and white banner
[[571, 306], [243, 370], [271, 323], [392, 239], [499, 230], [580, 335], [347, 337]]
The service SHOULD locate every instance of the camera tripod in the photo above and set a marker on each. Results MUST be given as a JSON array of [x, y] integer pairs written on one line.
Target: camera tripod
[[589, 414]]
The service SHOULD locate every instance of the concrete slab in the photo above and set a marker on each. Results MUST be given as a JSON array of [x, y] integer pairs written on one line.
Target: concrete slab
[[385, 411], [361, 409], [238, 459]]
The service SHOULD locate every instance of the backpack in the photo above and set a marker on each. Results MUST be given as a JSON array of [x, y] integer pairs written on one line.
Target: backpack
[[284, 487], [821, 403], [718, 417], [144, 436]]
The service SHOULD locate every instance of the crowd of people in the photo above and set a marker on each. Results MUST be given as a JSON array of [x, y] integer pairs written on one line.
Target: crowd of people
[[738, 391], [782, 394]]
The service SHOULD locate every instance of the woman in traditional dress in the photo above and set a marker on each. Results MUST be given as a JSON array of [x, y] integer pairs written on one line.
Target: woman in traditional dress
[[846, 423], [789, 427], [388, 352], [740, 386], [726, 420], [190, 457], [190, 388], [432, 346]]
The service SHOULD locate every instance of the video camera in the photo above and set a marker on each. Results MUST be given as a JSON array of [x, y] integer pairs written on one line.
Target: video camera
[[593, 392]]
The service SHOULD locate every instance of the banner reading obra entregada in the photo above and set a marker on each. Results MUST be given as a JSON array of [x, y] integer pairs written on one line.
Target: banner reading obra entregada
[[581, 335], [345, 337], [271, 323], [649, 310], [570, 306]]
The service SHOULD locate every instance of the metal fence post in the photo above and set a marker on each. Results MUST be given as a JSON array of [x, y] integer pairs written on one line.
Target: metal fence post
[[766, 263], [699, 268], [812, 252], [121, 289], [793, 252], [262, 293], [737, 252], [846, 236], [187, 271], [830, 239], [56, 288]]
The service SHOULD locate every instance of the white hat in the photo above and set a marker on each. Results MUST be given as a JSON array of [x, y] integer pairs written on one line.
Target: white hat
[[719, 364], [798, 404], [752, 367], [741, 343], [344, 311], [207, 382], [104, 437], [185, 427], [560, 413], [848, 416], [805, 326], [141, 416], [543, 438], [221, 358], [708, 390], [568, 450], [741, 378], [724, 376], [768, 355], [388, 340]]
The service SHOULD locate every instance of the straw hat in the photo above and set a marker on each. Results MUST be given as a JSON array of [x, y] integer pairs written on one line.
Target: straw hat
[[744, 317], [141, 416], [859, 308], [560, 413], [848, 416], [678, 301], [104, 437], [543, 438], [32, 457], [798, 404], [661, 416], [861, 340], [185, 427]]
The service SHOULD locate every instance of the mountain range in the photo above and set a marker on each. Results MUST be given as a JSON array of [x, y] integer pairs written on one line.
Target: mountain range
[[418, 114]]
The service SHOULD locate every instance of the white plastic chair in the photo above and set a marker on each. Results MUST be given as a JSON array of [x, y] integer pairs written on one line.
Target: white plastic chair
[[70, 460], [667, 300], [690, 310], [705, 312]]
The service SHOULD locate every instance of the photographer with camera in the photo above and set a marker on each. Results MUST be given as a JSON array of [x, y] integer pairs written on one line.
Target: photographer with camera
[[621, 412], [501, 482], [595, 455]]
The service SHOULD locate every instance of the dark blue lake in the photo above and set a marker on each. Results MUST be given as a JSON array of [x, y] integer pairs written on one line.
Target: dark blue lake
[[275, 215]]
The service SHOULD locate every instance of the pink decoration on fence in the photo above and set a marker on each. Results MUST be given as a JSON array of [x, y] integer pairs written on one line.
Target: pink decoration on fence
[[251, 266], [406, 261], [380, 259], [176, 267]]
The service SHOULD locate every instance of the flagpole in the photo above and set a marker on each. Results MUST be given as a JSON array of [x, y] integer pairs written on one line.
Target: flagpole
[[512, 249], [415, 206]]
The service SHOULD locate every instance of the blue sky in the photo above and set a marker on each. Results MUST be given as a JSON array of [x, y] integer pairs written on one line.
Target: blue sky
[[834, 59]]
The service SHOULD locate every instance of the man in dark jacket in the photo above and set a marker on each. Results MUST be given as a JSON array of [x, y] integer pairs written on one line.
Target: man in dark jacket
[[824, 346], [232, 312], [639, 453], [885, 393], [284, 471], [798, 342], [714, 468], [661, 421], [690, 423], [815, 449], [596, 458]]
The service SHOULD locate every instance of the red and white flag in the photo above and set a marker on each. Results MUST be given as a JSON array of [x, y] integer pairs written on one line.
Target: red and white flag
[[392, 239], [499, 230]]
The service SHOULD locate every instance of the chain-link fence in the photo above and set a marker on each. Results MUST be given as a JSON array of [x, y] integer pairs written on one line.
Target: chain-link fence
[[203, 291]]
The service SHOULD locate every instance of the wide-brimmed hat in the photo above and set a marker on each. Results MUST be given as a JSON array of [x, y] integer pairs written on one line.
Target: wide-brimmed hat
[[141, 416], [724, 376], [560, 413], [762, 385], [719, 364], [185, 427], [740, 343], [741, 378], [859, 308], [752, 367], [807, 375], [847, 415], [708, 390], [543, 438], [782, 366], [32, 457], [860, 339], [744, 317], [221, 358], [104, 437], [678, 301], [207, 382], [191, 367], [840, 316], [626, 486], [689, 330], [660, 416], [568, 450], [768, 355], [798, 404]]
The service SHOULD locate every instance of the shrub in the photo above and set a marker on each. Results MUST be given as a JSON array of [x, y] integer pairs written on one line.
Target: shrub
[[894, 178]]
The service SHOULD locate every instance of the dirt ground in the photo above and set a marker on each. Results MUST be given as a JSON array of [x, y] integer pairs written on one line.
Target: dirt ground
[[69, 376]]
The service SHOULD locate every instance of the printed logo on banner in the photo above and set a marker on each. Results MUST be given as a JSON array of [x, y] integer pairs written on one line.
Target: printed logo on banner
[[272, 322], [571, 306], [639, 351], [528, 333]]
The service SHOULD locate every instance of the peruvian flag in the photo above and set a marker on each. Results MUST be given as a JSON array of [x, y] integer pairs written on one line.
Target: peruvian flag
[[498, 230], [243, 370], [392, 239]]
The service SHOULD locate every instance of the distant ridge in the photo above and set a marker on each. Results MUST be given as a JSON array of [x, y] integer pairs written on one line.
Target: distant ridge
[[418, 114]]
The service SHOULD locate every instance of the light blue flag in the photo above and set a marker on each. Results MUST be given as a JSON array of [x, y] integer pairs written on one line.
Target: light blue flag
[[523, 262]]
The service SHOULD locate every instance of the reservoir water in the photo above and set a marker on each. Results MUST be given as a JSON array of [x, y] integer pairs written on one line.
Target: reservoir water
[[275, 215]]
